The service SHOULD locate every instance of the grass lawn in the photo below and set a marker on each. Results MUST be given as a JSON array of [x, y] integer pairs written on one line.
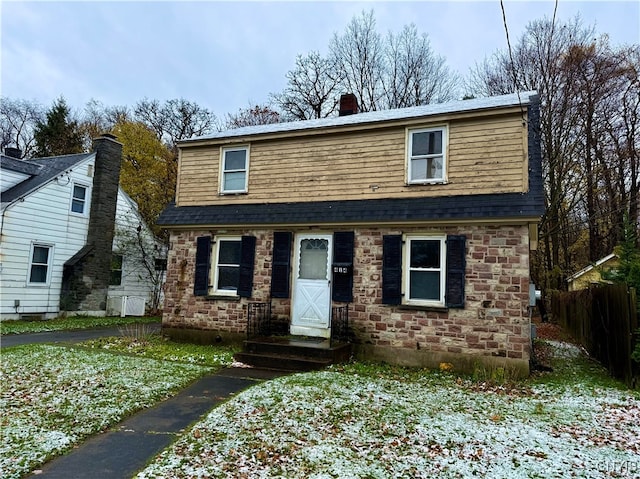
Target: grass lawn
[[74, 322], [52, 397], [367, 421], [351, 421]]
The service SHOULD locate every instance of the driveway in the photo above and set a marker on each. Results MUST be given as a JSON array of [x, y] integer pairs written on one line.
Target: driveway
[[75, 336]]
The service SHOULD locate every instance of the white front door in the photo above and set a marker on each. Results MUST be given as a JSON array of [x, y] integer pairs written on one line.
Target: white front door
[[311, 310]]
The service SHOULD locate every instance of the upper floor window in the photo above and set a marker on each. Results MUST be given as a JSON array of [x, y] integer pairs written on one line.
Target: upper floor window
[[235, 169], [426, 155], [79, 199], [39, 264]]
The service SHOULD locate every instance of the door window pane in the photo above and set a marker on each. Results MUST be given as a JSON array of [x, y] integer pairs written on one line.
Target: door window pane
[[313, 258]]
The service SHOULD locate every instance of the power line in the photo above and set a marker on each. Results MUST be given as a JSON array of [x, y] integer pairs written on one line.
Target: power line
[[513, 66]]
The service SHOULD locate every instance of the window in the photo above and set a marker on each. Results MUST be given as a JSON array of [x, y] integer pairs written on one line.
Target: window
[[39, 266], [116, 270], [79, 199], [235, 166], [424, 270], [227, 255], [426, 155], [224, 266]]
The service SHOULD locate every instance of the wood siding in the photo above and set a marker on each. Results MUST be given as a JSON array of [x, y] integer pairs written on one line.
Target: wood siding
[[485, 155]]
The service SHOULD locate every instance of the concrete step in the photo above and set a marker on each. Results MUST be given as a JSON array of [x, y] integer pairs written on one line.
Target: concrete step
[[292, 353]]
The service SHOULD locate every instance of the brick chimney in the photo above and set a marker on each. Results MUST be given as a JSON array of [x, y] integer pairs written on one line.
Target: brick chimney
[[348, 104], [87, 275]]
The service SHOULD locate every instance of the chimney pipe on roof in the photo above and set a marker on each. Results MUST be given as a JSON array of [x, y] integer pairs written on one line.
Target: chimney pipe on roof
[[348, 104], [13, 152]]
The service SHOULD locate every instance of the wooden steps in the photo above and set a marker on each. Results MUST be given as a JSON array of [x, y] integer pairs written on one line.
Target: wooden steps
[[292, 353]]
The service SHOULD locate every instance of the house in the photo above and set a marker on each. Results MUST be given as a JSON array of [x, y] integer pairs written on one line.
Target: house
[[592, 274], [60, 219], [419, 221]]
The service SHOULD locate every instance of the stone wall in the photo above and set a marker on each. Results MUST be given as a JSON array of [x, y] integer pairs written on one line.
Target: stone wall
[[87, 282], [493, 327]]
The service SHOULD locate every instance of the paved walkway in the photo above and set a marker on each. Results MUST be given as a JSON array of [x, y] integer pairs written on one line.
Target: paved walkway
[[127, 447], [74, 336]]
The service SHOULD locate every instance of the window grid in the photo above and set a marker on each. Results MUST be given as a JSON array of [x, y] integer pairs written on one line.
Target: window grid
[[39, 267], [79, 199], [425, 273], [235, 167], [426, 155], [227, 265]]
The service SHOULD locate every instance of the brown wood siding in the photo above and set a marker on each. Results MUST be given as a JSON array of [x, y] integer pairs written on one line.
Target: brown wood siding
[[485, 155]]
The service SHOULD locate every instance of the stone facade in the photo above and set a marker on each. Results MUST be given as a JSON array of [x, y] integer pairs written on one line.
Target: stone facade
[[492, 329]]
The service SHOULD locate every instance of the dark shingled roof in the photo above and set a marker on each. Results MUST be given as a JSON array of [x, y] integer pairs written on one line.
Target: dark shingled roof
[[513, 205], [42, 170]]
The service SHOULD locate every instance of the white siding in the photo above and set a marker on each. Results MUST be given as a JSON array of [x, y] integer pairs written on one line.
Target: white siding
[[10, 178], [42, 217], [137, 280]]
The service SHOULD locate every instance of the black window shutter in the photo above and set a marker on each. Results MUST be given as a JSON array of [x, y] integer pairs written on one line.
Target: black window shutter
[[281, 264], [456, 265], [343, 243], [247, 258], [392, 269], [203, 260]]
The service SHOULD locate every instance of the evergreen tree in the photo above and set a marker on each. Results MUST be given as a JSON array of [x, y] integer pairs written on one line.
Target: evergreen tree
[[59, 134]]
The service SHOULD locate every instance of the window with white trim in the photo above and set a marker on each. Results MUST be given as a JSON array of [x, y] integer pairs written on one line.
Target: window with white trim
[[425, 270], [116, 270], [79, 198], [426, 155], [226, 260], [235, 169], [39, 264]]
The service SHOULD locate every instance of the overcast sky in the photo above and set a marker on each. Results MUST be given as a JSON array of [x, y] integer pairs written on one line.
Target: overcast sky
[[225, 55]]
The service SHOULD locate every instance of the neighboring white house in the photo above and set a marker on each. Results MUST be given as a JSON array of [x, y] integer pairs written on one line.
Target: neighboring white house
[[60, 218], [138, 261]]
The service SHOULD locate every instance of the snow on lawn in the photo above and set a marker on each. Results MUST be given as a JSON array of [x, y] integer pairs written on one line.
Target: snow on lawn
[[348, 425], [52, 397]]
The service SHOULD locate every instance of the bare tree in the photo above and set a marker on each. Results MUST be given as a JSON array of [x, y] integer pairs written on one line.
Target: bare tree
[[253, 115], [312, 89], [18, 119], [588, 99], [414, 74], [359, 58], [176, 119]]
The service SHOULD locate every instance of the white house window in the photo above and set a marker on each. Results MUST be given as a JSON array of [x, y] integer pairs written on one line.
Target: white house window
[[235, 167], [227, 257], [39, 264], [425, 270], [116, 270], [79, 199], [426, 155]]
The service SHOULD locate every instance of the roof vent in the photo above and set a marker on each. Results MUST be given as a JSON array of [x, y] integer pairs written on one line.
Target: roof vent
[[348, 104]]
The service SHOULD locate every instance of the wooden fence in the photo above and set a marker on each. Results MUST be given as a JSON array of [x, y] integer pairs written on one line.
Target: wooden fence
[[604, 320]]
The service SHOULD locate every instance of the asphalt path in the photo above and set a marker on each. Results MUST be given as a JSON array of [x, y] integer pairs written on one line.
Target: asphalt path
[[74, 336]]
